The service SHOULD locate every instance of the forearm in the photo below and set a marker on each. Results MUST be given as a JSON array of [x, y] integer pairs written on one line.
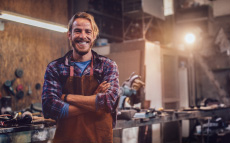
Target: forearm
[[75, 111], [82, 102]]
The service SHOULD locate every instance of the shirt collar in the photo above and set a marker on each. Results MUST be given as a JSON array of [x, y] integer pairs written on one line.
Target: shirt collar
[[69, 55]]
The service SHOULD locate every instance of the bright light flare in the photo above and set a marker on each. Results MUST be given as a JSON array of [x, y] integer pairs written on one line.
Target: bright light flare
[[190, 38]]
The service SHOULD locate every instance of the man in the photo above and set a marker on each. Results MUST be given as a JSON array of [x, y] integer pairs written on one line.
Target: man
[[81, 89]]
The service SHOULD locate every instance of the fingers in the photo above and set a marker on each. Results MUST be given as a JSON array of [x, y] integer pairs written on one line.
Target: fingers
[[62, 97], [104, 82], [103, 87]]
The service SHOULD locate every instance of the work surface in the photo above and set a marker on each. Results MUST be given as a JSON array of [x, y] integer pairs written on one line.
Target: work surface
[[40, 132], [171, 116]]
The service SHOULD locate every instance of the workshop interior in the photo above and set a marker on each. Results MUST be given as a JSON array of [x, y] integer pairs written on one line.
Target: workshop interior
[[173, 58]]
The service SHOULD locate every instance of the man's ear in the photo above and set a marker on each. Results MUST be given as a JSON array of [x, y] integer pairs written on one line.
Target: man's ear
[[69, 35], [94, 38]]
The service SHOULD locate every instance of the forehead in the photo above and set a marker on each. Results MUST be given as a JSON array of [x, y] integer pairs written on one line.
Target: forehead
[[82, 23]]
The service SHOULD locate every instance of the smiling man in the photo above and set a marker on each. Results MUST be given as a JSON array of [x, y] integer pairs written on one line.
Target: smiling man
[[80, 90]]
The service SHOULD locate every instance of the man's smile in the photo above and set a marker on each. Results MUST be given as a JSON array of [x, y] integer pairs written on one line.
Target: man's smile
[[82, 43]]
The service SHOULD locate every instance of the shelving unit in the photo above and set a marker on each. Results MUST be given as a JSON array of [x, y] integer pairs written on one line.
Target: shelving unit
[[139, 16], [199, 16], [108, 16]]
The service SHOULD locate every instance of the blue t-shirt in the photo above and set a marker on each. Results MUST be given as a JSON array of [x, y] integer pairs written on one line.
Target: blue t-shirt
[[82, 65]]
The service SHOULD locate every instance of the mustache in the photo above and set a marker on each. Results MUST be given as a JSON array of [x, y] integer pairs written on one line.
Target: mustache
[[81, 40]]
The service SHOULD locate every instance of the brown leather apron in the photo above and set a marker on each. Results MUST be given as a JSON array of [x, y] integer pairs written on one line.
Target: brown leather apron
[[90, 127]]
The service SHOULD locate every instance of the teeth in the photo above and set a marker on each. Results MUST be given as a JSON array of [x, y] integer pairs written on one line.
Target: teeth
[[82, 43]]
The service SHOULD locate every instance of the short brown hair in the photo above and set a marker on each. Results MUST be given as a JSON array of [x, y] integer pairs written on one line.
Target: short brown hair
[[86, 16]]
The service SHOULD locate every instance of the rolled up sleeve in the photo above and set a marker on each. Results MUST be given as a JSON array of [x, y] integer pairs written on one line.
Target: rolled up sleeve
[[51, 96], [109, 100]]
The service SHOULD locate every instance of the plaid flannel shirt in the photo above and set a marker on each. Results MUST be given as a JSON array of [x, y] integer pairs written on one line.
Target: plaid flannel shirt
[[57, 73]]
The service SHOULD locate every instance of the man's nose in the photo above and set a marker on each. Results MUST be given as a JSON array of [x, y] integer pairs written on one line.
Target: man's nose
[[83, 35]]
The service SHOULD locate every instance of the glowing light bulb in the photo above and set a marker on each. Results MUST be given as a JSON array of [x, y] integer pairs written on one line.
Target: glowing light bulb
[[190, 38]]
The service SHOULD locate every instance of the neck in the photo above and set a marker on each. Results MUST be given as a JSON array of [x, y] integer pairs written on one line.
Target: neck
[[82, 58]]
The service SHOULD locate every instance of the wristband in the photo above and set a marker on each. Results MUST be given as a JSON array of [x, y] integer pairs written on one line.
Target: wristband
[[65, 97]]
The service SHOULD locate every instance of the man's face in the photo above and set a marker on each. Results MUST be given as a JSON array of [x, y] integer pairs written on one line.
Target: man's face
[[81, 36]]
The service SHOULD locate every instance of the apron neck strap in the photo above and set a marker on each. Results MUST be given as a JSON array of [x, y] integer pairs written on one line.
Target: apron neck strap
[[91, 68], [71, 70]]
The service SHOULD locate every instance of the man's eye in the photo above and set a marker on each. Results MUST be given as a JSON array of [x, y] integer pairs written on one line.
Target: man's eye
[[88, 32], [77, 31]]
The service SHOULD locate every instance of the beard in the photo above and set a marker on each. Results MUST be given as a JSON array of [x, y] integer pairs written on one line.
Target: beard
[[81, 52]]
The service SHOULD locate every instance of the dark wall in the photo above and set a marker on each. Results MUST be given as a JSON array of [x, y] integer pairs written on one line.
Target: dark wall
[[30, 48]]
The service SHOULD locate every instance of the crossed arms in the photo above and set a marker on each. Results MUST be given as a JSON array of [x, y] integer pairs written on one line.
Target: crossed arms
[[81, 104], [52, 97]]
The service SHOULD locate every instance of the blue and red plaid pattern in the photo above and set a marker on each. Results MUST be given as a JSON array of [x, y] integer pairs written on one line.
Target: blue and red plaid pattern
[[57, 73]]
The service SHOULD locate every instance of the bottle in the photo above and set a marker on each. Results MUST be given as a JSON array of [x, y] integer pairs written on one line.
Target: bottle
[[6, 104]]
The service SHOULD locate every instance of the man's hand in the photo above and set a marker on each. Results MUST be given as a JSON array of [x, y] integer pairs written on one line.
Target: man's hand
[[102, 88]]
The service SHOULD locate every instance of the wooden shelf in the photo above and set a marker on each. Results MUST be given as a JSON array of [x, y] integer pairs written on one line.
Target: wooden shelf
[[195, 14], [220, 69], [200, 19]]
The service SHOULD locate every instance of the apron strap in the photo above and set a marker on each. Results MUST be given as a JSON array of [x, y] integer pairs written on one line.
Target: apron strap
[[91, 66], [71, 70]]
